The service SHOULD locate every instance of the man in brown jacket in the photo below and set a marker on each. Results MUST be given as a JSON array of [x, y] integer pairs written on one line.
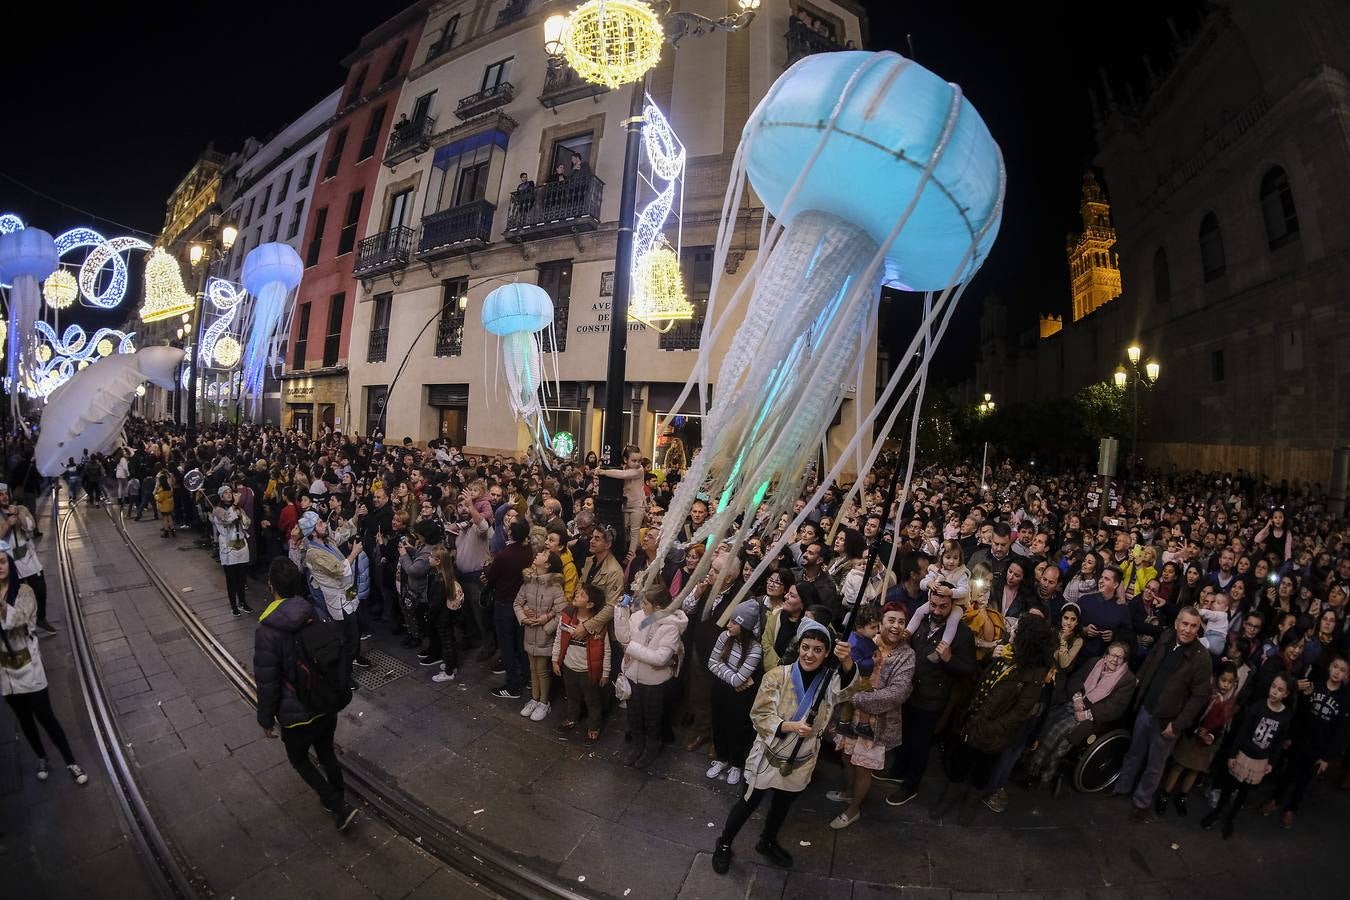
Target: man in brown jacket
[[1174, 686]]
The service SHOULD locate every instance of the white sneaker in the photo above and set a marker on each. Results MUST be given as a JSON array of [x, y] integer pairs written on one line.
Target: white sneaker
[[529, 708], [540, 711], [733, 775], [78, 774], [442, 677], [717, 768]]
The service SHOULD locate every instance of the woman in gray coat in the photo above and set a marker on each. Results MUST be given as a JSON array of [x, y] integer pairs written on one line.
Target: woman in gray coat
[[892, 680]]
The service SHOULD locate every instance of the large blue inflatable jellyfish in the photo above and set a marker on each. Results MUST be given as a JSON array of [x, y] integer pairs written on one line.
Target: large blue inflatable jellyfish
[[271, 271], [877, 172], [27, 257], [517, 314]]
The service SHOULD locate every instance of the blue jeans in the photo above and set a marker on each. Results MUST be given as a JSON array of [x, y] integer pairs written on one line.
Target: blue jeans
[[1149, 752], [511, 645]]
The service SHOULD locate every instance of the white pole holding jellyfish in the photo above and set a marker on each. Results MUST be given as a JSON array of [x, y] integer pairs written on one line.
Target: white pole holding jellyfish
[[876, 172], [271, 272], [27, 257], [517, 314]]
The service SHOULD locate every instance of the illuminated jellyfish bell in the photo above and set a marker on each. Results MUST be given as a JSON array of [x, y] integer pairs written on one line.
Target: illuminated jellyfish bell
[[516, 313], [271, 271], [896, 118], [880, 173], [27, 257]]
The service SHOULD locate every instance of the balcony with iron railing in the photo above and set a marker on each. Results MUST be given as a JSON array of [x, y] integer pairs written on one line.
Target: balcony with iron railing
[[563, 85], [684, 335], [514, 9], [450, 334], [385, 252], [552, 209], [458, 229], [486, 100], [803, 40], [378, 348], [408, 139]]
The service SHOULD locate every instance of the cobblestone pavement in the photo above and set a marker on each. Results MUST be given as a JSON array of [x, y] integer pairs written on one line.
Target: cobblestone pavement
[[576, 814]]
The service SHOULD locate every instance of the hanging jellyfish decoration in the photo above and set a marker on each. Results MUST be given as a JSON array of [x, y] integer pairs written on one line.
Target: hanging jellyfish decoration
[[876, 172], [271, 272], [518, 314], [27, 257], [86, 413]]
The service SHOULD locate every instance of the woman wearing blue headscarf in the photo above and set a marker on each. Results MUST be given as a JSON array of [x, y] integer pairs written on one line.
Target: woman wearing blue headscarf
[[791, 711]]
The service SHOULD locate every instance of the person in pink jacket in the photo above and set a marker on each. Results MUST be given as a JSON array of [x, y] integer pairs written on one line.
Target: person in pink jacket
[[651, 636]]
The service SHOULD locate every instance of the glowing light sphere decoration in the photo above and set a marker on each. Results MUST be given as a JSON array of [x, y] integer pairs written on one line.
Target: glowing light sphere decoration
[[227, 352], [165, 295], [517, 314], [875, 171], [44, 352], [613, 42], [271, 272], [28, 256], [227, 299], [60, 290]]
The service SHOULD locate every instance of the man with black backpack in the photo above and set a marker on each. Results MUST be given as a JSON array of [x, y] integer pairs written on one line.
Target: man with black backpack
[[303, 674]]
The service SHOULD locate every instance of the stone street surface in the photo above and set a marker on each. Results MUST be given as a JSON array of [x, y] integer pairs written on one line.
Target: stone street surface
[[226, 798]]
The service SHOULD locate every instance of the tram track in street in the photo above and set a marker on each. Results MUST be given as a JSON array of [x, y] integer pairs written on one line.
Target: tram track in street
[[171, 877], [483, 867]]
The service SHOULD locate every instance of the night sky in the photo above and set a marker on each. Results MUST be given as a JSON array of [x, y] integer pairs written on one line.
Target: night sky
[[109, 114]]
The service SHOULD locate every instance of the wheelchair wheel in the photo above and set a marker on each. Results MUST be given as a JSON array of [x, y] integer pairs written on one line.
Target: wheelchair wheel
[[1099, 766]]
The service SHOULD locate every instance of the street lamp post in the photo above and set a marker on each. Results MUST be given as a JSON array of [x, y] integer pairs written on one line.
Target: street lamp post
[[1134, 376], [202, 255], [676, 25]]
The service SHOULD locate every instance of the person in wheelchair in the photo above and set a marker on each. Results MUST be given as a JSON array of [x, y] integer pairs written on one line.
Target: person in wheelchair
[[1093, 701]]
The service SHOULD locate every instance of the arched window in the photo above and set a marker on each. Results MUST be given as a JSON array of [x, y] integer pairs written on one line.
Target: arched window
[[1162, 279], [1277, 208], [1212, 260]]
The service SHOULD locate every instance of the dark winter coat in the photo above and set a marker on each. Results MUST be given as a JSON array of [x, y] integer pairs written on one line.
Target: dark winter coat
[[1187, 691], [274, 661], [1011, 702], [933, 681]]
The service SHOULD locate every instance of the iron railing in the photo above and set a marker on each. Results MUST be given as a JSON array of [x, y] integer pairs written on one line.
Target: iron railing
[[408, 139], [684, 335], [563, 85], [378, 349], [457, 229], [551, 209], [450, 333], [802, 40], [383, 252], [514, 9], [485, 100]]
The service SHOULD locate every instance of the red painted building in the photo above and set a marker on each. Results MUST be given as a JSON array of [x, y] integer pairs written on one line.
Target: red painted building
[[314, 389]]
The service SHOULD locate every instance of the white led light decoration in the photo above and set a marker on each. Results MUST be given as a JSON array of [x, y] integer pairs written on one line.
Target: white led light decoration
[[658, 292], [105, 252], [9, 223], [165, 295], [60, 289], [58, 358]]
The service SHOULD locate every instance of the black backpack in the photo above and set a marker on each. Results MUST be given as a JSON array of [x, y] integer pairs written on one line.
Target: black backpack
[[322, 678]]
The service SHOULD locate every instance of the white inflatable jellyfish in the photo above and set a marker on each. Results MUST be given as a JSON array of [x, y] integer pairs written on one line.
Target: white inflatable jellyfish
[[88, 411]]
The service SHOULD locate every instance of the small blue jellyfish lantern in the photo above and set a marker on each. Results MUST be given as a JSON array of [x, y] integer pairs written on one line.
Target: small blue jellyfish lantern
[[517, 313], [271, 272], [879, 172], [27, 257]]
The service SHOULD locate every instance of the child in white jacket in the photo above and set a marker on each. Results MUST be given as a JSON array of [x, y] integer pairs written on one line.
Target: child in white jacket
[[652, 637]]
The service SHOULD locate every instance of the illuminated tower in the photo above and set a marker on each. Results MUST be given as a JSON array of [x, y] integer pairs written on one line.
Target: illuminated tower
[[1093, 266]]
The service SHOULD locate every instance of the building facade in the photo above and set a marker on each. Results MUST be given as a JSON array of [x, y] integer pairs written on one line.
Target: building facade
[[485, 112], [1227, 186], [314, 388], [270, 186]]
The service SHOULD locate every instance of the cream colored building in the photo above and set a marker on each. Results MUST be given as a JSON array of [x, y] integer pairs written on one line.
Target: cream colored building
[[482, 108]]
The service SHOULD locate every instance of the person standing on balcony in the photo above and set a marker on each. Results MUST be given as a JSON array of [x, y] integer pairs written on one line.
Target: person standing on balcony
[[581, 170]]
